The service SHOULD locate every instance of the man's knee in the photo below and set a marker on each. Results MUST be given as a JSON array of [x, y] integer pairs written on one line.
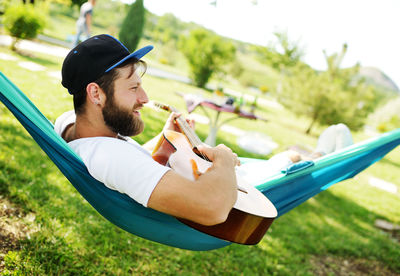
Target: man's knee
[[342, 128]]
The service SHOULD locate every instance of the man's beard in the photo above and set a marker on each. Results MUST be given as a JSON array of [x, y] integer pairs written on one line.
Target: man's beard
[[121, 120]]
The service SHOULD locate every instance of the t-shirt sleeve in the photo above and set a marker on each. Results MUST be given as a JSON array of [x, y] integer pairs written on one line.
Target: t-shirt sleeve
[[63, 121], [121, 166], [90, 11]]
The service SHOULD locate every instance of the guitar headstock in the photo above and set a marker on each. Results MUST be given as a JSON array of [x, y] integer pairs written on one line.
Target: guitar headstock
[[158, 106]]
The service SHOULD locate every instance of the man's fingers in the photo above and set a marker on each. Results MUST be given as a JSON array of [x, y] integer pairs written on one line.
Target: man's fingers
[[237, 159], [171, 122], [174, 116], [220, 151], [191, 123]]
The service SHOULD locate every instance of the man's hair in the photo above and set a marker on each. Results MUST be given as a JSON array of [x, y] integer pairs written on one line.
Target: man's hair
[[106, 82]]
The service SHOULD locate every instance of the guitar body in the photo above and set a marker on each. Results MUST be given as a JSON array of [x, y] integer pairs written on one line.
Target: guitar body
[[252, 214]]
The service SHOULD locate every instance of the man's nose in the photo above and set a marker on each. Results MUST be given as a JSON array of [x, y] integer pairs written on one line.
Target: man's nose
[[143, 96]]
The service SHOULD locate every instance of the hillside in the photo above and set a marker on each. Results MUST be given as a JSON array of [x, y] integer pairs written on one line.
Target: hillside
[[376, 77]]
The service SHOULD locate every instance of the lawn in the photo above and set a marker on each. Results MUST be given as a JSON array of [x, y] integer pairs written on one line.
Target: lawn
[[48, 228]]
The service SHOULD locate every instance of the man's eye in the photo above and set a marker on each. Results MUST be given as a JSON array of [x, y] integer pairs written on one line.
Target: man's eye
[[134, 88]]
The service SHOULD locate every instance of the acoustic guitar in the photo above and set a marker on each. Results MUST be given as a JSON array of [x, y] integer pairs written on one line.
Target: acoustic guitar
[[252, 214]]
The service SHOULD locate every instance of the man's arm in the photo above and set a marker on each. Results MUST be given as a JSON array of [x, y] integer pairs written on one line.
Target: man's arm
[[89, 22], [207, 200]]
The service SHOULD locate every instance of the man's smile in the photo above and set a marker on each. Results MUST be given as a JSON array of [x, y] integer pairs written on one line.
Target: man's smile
[[136, 110]]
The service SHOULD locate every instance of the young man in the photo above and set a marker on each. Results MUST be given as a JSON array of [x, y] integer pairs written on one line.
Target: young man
[[84, 22], [103, 78], [106, 85]]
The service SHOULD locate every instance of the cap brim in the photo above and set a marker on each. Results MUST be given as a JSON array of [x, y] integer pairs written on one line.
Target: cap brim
[[137, 54]]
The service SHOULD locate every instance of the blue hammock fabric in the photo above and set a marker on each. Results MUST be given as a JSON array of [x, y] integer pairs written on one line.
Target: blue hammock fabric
[[286, 189]]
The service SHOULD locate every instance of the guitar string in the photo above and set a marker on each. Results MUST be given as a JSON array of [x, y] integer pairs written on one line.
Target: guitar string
[[187, 130], [193, 138]]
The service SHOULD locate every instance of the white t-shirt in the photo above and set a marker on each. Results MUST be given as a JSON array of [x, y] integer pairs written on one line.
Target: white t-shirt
[[122, 165], [127, 167]]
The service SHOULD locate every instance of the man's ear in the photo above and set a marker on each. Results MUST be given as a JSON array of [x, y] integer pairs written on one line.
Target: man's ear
[[94, 93]]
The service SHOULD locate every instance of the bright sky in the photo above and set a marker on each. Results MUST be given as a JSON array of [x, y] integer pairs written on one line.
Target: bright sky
[[369, 27]]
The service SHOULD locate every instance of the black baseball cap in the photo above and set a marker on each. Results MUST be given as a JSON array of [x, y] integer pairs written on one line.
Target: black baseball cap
[[94, 57]]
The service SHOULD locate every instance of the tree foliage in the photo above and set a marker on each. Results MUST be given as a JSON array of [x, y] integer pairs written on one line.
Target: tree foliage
[[285, 53], [132, 27], [330, 97], [77, 3], [23, 22], [166, 28], [206, 53]]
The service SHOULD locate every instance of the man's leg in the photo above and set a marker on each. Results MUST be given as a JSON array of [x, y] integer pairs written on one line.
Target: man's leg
[[334, 138], [327, 141], [254, 172], [78, 34], [343, 137], [86, 31]]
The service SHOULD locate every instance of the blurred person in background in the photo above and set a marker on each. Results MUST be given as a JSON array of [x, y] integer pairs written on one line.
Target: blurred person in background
[[84, 22]]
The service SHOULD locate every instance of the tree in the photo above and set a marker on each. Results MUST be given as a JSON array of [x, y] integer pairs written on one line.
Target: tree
[[291, 50], [77, 3], [132, 26], [168, 28], [330, 97], [286, 53], [206, 53]]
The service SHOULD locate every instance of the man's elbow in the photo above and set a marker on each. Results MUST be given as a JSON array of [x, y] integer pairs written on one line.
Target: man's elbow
[[216, 214], [223, 206], [213, 218]]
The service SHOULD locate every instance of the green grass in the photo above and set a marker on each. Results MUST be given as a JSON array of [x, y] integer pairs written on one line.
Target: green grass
[[70, 238]]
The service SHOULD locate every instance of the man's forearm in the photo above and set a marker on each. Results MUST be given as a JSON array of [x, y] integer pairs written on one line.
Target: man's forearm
[[220, 185]]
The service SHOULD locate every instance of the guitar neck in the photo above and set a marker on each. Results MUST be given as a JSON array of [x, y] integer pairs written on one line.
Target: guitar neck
[[182, 123], [188, 131]]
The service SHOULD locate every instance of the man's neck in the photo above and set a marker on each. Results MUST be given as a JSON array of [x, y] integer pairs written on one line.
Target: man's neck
[[85, 127]]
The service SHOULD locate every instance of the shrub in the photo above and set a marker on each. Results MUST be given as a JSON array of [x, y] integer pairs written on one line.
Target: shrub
[[3, 6], [391, 124], [23, 22], [169, 53]]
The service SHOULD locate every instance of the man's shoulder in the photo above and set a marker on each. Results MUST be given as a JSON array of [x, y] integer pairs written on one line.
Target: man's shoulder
[[64, 121], [102, 142], [106, 146]]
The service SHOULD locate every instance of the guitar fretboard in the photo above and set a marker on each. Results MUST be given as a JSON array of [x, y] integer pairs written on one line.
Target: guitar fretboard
[[182, 123]]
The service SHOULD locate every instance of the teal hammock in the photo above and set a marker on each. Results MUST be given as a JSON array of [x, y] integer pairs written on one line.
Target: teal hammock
[[286, 189]]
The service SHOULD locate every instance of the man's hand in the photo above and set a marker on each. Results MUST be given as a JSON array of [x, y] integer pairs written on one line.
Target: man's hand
[[220, 154], [171, 124]]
